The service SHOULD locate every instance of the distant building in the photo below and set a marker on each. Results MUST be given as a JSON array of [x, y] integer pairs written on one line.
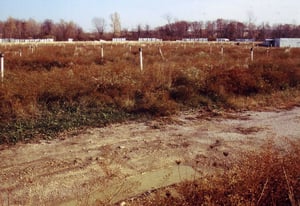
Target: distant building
[[119, 40], [222, 40], [268, 43], [149, 40], [195, 39], [287, 42], [26, 40]]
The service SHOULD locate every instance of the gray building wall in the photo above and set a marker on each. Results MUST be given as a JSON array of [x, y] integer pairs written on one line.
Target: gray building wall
[[287, 42]]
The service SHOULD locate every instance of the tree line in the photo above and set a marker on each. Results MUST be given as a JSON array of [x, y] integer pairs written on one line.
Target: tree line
[[172, 30], [25, 29]]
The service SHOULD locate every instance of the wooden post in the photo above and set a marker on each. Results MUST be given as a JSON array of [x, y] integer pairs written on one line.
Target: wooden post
[[2, 66], [141, 58], [222, 50]]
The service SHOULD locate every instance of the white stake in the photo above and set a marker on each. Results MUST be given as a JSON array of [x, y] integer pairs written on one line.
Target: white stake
[[141, 58], [222, 51], [102, 52], [252, 55], [161, 54], [2, 66]]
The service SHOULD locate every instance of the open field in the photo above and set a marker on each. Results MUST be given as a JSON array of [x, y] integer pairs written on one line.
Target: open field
[[78, 129], [55, 87]]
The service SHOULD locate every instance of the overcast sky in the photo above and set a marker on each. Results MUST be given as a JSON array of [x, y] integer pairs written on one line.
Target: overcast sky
[[152, 12]]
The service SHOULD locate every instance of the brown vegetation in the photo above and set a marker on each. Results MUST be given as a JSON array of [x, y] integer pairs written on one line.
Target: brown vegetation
[[51, 88], [265, 178]]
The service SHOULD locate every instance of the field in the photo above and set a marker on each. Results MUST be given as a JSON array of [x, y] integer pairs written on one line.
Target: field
[[51, 88], [67, 113]]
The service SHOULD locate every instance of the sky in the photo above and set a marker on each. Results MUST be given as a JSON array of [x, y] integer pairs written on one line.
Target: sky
[[152, 12]]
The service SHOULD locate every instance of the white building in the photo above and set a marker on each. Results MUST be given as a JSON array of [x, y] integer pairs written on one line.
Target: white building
[[195, 39], [287, 42], [149, 40], [222, 40], [26, 40], [118, 39]]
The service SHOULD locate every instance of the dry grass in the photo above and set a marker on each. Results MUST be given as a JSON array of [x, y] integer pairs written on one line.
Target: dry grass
[[56, 87], [268, 177], [61, 87]]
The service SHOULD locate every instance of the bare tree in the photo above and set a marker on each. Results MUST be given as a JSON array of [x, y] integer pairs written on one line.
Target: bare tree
[[66, 30], [251, 24], [168, 18], [263, 31], [221, 25], [100, 25], [115, 24], [240, 29], [1, 29], [147, 30], [47, 28], [32, 28], [210, 29], [10, 28], [139, 30], [180, 29], [61, 30], [196, 28], [230, 31]]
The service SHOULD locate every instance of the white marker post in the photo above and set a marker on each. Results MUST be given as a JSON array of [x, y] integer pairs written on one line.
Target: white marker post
[[102, 52], [2, 66], [141, 58], [161, 54], [222, 50], [252, 54]]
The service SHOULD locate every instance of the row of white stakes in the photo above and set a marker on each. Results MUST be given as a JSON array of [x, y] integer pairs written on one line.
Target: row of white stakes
[[102, 57]]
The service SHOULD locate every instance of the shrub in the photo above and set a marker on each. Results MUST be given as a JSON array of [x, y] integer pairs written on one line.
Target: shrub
[[234, 81], [264, 178]]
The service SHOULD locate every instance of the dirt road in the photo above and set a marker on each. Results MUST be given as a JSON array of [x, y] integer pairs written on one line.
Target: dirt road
[[122, 160]]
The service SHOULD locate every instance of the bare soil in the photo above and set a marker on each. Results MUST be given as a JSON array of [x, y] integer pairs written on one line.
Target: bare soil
[[120, 161]]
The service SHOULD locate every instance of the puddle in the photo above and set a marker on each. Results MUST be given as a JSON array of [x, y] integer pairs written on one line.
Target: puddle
[[138, 184]]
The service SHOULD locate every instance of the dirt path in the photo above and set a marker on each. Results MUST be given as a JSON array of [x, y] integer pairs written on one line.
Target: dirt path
[[122, 160]]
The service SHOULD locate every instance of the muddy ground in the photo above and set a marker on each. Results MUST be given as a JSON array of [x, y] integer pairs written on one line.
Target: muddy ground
[[123, 160]]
